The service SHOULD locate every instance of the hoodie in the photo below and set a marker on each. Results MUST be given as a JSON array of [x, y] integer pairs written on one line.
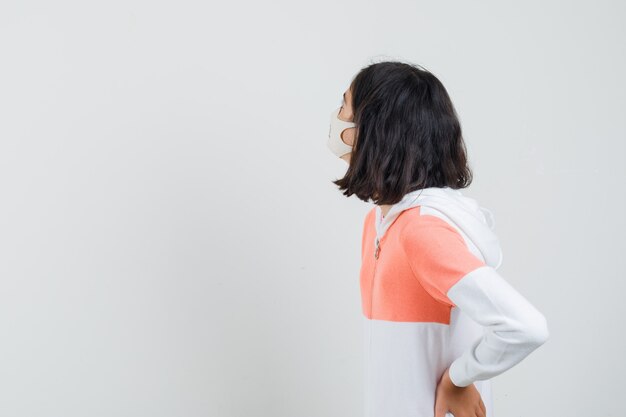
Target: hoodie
[[432, 299]]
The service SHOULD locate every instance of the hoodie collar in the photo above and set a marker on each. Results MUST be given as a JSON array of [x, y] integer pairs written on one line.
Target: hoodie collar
[[475, 221]]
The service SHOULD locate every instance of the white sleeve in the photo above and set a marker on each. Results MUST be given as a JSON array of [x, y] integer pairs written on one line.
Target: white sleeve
[[513, 326]]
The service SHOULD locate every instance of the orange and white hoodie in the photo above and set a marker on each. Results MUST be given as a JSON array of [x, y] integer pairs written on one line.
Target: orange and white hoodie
[[432, 298]]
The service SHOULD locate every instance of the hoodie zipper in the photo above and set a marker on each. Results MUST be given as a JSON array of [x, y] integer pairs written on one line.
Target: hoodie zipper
[[371, 318], [376, 255], [377, 251]]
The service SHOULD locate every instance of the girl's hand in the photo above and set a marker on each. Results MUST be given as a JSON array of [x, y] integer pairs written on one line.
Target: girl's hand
[[460, 401]]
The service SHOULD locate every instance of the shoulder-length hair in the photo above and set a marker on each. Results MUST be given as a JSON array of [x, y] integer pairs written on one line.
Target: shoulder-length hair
[[408, 135]]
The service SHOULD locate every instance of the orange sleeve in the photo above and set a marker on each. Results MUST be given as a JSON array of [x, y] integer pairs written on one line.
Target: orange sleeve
[[437, 255]]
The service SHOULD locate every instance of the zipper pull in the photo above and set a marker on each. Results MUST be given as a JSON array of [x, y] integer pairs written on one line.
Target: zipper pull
[[377, 248]]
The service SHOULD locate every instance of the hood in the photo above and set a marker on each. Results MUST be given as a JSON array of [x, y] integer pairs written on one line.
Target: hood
[[475, 221]]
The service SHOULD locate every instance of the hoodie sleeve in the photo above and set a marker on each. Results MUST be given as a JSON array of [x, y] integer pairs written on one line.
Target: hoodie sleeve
[[442, 262]]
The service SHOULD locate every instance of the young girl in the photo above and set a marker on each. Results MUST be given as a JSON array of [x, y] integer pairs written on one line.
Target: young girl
[[439, 320]]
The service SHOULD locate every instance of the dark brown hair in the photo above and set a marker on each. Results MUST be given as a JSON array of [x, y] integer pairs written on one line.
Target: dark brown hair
[[408, 135]]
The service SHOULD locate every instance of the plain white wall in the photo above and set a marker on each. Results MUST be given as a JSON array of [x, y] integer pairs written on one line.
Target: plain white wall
[[171, 242]]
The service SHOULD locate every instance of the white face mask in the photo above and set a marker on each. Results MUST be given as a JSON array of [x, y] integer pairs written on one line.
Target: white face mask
[[337, 126]]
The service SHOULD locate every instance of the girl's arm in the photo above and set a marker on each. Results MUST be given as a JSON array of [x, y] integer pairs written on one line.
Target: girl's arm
[[452, 274], [514, 327]]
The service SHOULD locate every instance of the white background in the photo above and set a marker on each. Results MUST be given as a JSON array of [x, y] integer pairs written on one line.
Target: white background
[[171, 242]]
